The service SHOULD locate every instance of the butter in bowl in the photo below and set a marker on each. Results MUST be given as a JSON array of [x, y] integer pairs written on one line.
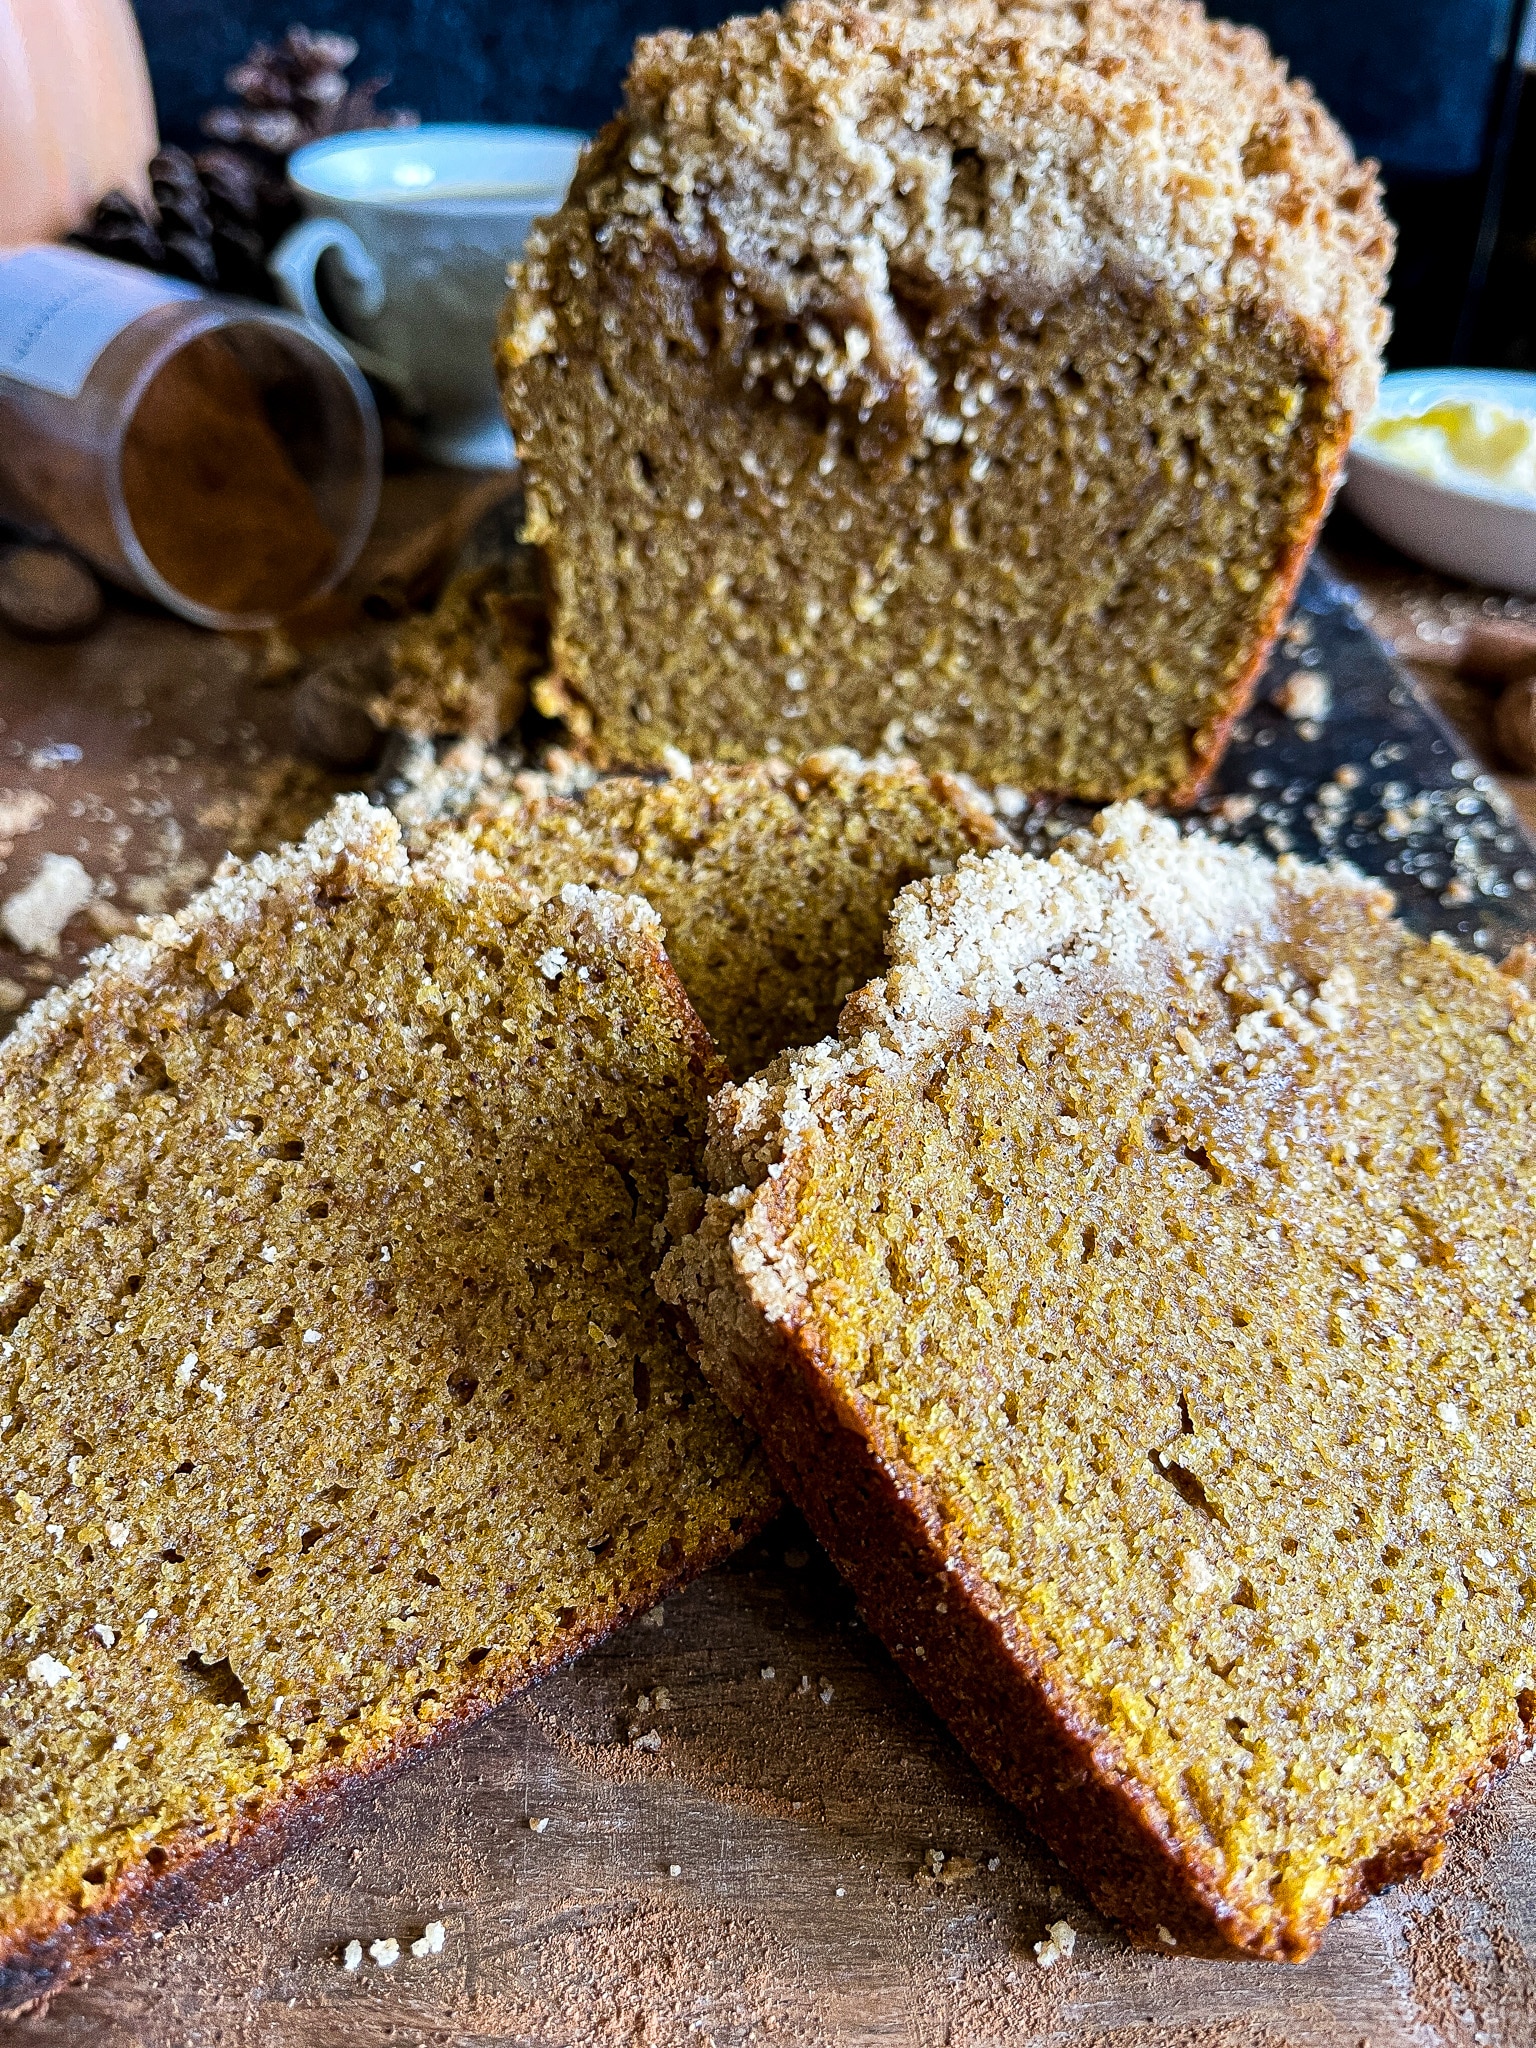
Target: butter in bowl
[[1445, 469]]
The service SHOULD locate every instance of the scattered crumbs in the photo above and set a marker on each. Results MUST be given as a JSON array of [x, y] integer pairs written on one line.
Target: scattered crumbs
[[552, 962], [106, 1636], [824, 1693], [1060, 1940], [767, 1671], [538, 1826], [34, 917], [45, 1669], [662, 1699], [119, 1742], [993, 1862], [655, 1618], [842, 1891], [805, 1683], [1304, 696], [431, 1941], [385, 1953], [22, 811], [674, 1870], [352, 1956], [797, 1560], [1163, 1935], [118, 1534], [1191, 1047], [111, 922], [650, 1741], [310, 1337]]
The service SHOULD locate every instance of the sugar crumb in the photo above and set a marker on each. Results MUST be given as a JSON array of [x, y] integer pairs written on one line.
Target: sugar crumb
[[431, 1941]]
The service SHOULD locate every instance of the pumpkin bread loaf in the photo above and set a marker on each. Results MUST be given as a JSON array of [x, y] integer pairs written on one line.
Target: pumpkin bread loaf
[[963, 378], [337, 1401], [1137, 1297], [773, 883]]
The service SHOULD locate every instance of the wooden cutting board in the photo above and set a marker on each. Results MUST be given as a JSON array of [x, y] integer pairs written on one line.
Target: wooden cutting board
[[803, 1856]]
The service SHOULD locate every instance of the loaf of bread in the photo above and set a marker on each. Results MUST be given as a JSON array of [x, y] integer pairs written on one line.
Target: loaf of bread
[[336, 1402], [964, 378], [1137, 1296]]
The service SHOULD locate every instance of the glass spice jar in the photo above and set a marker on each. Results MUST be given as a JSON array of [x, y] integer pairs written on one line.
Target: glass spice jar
[[213, 454]]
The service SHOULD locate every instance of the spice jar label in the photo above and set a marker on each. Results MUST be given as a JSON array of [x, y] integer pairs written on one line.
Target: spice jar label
[[60, 307]]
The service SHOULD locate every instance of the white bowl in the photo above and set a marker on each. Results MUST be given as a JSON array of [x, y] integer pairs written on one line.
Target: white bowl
[[1470, 529]]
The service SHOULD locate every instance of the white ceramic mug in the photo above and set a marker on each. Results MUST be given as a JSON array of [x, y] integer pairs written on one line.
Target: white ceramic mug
[[415, 230]]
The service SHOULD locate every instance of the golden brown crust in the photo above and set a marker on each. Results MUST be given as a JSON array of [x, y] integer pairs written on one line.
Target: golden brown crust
[[1210, 743]]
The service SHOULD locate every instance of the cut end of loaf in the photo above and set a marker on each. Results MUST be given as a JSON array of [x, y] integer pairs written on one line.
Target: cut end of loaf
[[975, 389]]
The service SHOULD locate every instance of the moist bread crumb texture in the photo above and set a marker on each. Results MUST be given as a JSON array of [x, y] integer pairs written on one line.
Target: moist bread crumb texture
[[773, 881], [335, 1397], [960, 378], [1137, 1297]]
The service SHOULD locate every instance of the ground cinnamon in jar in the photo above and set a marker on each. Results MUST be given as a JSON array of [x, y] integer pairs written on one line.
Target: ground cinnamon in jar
[[212, 492]]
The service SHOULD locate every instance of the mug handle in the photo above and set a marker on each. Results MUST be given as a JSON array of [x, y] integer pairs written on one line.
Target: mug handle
[[293, 264]]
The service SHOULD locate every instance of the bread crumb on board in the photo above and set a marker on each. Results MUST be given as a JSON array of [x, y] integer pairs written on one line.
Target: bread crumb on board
[[1060, 1941], [35, 915]]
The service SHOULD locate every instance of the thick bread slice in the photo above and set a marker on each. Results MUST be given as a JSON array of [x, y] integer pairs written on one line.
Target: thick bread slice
[[773, 881], [1137, 1296], [335, 1398]]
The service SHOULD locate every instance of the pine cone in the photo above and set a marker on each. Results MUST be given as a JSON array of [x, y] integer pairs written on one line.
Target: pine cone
[[119, 226], [213, 220], [297, 91]]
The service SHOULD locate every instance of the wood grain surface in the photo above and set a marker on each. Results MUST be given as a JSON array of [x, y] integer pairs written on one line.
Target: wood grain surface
[[764, 1871]]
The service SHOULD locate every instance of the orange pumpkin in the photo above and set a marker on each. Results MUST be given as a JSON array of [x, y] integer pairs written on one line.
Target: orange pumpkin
[[76, 113]]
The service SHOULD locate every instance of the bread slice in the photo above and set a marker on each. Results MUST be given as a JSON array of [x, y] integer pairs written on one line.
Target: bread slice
[[966, 379], [1137, 1296], [335, 1398], [773, 882]]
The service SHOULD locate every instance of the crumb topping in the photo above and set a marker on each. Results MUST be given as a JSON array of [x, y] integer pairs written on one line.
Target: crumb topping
[[1129, 904], [840, 162]]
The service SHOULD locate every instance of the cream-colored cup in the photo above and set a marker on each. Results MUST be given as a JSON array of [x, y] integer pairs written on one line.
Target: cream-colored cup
[[411, 234]]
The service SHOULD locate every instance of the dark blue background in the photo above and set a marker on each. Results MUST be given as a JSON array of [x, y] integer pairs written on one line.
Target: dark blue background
[[1410, 79]]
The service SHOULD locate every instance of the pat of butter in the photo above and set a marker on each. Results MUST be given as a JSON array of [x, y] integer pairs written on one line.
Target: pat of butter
[[1457, 442]]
